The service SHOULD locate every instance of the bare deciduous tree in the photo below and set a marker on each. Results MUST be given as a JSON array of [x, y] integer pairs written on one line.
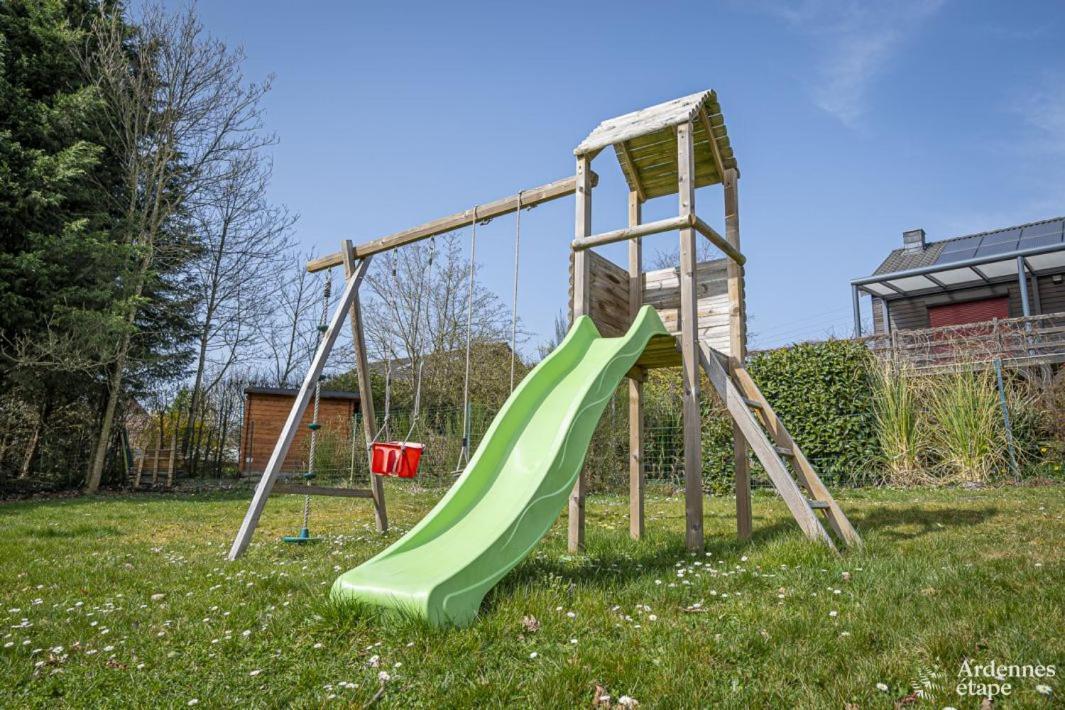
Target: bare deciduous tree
[[405, 284], [243, 240], [176, 107], [288, 335]]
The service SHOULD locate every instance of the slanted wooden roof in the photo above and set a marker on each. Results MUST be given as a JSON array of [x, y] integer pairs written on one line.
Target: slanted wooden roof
[[646, 143]]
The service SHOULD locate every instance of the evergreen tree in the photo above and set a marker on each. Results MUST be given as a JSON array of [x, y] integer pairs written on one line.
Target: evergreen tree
[[62, 265]]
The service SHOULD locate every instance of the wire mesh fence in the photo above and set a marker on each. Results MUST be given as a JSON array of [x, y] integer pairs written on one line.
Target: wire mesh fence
[[342, 458]]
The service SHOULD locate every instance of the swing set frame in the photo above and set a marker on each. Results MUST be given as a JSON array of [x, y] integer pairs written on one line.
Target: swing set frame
[[355, 259], [672, 148]]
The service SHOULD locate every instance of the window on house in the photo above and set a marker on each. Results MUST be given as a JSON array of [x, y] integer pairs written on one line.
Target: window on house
[[969, 312]]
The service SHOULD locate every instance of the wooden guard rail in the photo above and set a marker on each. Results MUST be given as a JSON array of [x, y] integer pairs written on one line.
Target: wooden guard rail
[[1033, 340], [526, 198], [663, 225]]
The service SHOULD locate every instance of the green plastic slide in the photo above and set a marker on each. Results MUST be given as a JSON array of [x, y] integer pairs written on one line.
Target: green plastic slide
[[513, 488]]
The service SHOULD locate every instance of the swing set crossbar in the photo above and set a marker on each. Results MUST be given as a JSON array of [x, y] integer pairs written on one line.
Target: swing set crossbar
[[525, 199]]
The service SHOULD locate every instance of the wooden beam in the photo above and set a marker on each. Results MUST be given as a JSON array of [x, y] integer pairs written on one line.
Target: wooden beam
[[528, 198], [732, 251], [689, 341], [636, 474], [737, 353], [300, 489], [634, 171], [705, 120], [369, 420], [669, 224], [582, 228], [299, 406], [634, 232]]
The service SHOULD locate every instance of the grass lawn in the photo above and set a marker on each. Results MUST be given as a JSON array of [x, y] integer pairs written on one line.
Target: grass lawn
[[129, 601]]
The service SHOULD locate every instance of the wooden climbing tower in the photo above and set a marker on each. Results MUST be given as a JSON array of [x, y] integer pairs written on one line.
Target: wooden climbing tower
[[675, 148]]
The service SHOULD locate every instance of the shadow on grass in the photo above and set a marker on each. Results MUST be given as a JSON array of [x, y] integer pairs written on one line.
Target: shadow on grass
[[13, 507], [910, 523], [631, 559], [39, 532]]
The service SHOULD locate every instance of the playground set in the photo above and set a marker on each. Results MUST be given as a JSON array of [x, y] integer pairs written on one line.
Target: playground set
[[625, 321]]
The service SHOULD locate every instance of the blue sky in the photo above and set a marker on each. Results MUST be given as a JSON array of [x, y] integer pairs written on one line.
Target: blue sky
[[851, 122]]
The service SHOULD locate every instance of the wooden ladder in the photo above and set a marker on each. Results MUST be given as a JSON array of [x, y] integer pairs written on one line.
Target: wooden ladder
[[799, 485]]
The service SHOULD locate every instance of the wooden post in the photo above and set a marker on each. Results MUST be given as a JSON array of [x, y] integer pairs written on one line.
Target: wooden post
[[158, 447], [173, 456], [139, 470], [299, 406], [737, 352], [689, 343], [582, 228], [369, 419], [636, 475]]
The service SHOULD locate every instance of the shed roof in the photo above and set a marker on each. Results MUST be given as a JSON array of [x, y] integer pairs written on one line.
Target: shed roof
[[645, 142]]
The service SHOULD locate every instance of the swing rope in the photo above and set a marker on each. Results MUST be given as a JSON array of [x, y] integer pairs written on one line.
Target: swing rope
[[464, 452], [421, 361], [514, 297], [314, 426], [385, 427], [417, 343], [388, 403]]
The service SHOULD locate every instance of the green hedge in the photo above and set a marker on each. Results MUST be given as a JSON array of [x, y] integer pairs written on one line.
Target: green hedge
[[822, 392]]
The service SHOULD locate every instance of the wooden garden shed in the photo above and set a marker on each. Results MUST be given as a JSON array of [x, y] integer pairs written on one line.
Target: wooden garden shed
[[265, 411]]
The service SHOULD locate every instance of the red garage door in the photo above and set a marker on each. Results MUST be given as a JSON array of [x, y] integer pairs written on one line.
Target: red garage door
[[969, 312]]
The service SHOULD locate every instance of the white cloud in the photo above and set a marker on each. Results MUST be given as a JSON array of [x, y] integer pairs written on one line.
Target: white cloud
[[857, 40], [1042, 108], [1029, 150]]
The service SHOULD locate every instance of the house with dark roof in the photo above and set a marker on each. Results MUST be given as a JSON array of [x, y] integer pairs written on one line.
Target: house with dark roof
[[1010, 280]]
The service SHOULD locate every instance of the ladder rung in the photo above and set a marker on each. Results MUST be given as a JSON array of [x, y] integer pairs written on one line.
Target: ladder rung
[[784, 451], [753, 404], [818, 504]]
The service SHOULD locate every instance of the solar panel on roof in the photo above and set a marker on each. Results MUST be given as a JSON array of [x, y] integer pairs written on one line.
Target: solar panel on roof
[[962, 244], [1040, 241], [1006, 235], [1002, 248], [1003, 241], [949, 256], [1036, 230]]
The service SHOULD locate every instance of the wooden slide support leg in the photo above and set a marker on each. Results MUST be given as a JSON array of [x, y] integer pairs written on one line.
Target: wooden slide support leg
[[737, 351], [299, 406], [582, 228], [742, 467], [689, 323], [636, 474]]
